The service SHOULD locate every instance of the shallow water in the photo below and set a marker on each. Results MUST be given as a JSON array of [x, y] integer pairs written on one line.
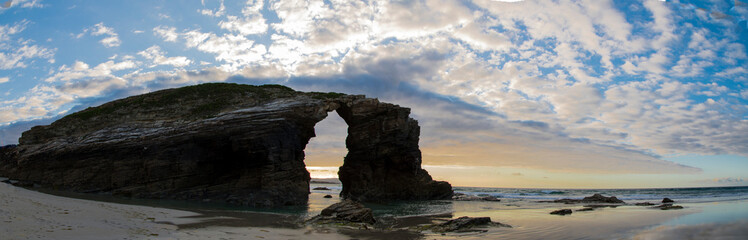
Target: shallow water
[[519, 208], [531, 219]]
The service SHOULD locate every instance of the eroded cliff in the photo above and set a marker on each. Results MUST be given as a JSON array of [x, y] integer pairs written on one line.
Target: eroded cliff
[[232, 143]]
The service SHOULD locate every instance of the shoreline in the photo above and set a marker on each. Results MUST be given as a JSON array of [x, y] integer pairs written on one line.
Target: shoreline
[[28, 214]]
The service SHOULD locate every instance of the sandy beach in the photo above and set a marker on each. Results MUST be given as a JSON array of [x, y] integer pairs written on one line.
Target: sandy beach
[[27, 214]]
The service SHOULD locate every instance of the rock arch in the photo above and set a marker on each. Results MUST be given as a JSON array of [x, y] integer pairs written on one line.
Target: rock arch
[[383, 160], [223, 142]]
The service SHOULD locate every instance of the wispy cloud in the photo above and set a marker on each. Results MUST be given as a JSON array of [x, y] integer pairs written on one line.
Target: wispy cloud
[[17, 52], [111, 38], [155, 54]]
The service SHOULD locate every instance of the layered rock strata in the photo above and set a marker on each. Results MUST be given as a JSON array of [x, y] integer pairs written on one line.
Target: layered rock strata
[[232, 143]]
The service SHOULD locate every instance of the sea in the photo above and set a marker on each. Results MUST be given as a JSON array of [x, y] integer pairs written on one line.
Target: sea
[[513, 198], [690, 195]]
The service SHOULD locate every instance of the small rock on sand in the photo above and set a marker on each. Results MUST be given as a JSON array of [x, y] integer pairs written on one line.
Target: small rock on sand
[[464, 224], [561, 212], [668, 207], [346, 211]]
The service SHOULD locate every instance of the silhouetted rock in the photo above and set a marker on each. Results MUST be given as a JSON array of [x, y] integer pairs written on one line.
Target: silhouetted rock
[[465, 197], [465, 223], [644, 204], [562, 212], [346, 211], [328, 196], [668, 207], [602, 199], [667, 200], [491, 199], [601, 206], [320, 188], [234, 143], [585, 209], [596, 198]]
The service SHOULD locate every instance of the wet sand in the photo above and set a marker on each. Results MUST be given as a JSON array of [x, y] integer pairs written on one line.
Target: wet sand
[[27, 214]]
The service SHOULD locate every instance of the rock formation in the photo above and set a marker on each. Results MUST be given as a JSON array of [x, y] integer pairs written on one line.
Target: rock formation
[[562, 212], [668, 206], [465, 224], [345, 211], [596, 198], [234, 143]]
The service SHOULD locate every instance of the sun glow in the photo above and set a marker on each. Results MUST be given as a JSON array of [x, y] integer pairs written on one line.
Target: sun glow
[[323, 172]]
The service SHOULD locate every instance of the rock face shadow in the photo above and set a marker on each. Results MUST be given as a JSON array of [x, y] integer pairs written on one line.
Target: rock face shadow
[[232, 143]]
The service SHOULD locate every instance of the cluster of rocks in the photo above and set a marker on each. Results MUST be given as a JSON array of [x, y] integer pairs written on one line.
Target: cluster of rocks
[[350, 213], [667, 204]]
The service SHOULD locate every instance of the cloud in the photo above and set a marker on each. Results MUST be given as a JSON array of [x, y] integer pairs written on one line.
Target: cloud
[[17, 52], [30, 3], [111, 38], [483, 38], [218, 13], [22, 4], [81, 70], [169, 34], [251, 23], [4, 79], [155, 54], [80, 86], [236, 51]]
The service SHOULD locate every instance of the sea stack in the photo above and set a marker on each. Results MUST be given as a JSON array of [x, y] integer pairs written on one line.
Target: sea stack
[[232, 143]]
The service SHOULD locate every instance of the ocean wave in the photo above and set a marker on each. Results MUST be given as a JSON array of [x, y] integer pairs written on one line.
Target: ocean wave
[[683, 194]]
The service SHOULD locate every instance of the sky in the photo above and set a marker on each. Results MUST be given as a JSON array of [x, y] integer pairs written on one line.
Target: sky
[[536, 94]]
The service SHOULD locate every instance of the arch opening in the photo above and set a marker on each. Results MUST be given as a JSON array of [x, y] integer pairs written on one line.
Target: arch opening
[[325, 152]]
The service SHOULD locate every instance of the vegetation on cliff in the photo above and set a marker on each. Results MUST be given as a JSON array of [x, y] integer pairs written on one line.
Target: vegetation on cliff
[[186, 103]]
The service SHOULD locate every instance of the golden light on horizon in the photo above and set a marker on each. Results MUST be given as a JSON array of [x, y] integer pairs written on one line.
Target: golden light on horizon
[[322, 172]]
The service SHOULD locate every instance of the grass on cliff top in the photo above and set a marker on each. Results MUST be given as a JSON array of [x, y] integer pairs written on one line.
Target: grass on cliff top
[[195, 101], [209, 97], [327, 95]]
